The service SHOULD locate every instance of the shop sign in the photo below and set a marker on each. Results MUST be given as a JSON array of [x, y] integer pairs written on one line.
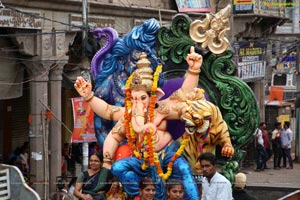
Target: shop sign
[[93, 21], [23, 19], [289, 66], [243, 6], [193, 5], [251, 59]]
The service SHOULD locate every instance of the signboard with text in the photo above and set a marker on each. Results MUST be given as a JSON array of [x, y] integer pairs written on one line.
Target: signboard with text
[[193, 5], [243, 6], [93, 21], [20, 19], [251, 59]]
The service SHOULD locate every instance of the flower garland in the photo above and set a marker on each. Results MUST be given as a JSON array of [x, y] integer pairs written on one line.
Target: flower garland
[[150, 157], [127, 115], [153, 156], [178, 153], [150, 142], [154, 92]]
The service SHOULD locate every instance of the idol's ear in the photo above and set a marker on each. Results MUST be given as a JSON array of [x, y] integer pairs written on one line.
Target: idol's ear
[[159, 94]]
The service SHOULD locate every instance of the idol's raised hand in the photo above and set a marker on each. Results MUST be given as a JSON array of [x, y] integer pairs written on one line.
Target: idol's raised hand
[[83, 87], [194, 59]]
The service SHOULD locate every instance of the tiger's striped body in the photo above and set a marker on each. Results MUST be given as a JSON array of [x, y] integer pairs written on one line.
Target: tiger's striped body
[[204, 121]]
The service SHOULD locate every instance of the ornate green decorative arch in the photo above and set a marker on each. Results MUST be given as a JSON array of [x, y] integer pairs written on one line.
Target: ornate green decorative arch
[[234, 97]]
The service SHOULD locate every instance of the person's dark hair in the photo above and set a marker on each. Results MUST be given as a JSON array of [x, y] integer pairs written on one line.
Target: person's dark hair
[[277, 124], [286, 123], [23, 149], [173, 182], [261, 124], [25, 144], [61, 184], [208, 156], [72, 182], [17, 151], [99, 155], [145, 181]]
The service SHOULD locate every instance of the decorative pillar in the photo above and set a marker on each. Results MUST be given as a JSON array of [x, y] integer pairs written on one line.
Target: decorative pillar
[[38, 129], [55, 137], [49, 55]]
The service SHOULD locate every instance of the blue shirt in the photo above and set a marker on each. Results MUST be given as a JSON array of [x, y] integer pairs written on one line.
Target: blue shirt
[[286, 138]]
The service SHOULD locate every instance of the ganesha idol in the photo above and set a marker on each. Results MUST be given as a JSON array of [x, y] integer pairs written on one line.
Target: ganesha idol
[[142, 122]]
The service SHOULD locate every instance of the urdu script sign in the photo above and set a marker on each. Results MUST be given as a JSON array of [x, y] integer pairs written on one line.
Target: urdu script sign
[[23, 19], [250, 57], [93, 21]]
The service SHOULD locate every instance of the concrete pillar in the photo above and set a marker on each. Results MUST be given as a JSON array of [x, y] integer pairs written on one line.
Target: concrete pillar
[[296, 15], [38, 140], [278, 48], [55, 137], [258, 90]]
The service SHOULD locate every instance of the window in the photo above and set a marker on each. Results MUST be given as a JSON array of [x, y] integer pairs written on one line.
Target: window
[[279, 79]]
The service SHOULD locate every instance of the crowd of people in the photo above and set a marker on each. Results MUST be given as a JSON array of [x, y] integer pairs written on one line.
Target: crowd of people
[[281, 140], [98, 183]]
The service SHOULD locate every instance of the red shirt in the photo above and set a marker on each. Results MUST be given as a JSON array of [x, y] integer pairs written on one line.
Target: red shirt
[[266, 139]]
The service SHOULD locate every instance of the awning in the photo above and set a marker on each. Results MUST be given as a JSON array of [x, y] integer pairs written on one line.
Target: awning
[[277, 103]]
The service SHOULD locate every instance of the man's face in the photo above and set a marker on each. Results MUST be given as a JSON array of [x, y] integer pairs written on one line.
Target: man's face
[[279, 127], [208, 169]]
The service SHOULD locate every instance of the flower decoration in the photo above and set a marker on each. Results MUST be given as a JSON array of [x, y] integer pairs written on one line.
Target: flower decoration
[[148, 154]]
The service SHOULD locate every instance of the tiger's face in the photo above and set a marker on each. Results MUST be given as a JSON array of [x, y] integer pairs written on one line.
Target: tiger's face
[[195, 122]]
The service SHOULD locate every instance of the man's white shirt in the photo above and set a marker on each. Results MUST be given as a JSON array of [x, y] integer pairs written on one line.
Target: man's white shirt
[[219, 188]]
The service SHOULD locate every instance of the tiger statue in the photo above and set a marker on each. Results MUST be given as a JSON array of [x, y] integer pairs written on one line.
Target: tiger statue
[[204, 121]]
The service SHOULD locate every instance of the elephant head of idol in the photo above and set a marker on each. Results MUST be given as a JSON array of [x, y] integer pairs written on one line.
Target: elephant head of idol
[[141, 87]]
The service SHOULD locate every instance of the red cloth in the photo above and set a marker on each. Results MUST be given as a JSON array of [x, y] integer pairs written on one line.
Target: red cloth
[[266, 139], [276, 93], [123, 152], [63, 165]]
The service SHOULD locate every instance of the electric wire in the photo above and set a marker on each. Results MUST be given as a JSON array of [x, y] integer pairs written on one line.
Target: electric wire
[[124, 29], [36, 34]]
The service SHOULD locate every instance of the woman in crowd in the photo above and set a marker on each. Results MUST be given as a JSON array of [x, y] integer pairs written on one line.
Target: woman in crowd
[[147, 189], [93, 183], [116, 191], [175, 189]]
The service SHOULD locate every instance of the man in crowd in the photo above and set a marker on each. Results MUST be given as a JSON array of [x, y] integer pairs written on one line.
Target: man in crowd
[[214, 185], [286, 143], [261, 153], [239, 192], [267, 145], [276, 144]]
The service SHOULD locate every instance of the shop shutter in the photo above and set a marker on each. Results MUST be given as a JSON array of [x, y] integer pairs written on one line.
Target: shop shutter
[[20, 127]]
